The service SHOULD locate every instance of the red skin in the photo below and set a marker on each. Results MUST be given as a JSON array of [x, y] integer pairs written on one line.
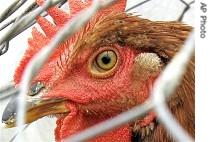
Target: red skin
[[81, 88], [85, 91]]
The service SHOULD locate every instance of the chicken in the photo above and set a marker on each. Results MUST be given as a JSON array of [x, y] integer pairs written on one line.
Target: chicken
[[106, 68]]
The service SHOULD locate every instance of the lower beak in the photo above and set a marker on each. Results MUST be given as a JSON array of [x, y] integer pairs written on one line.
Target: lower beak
[[35, 108]]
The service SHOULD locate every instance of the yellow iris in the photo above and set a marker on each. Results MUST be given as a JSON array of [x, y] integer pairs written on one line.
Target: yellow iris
[[106, 60]]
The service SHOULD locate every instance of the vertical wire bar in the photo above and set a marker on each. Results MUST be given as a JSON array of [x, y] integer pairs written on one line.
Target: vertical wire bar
[[24, 87], [18, 133], [166, 85]]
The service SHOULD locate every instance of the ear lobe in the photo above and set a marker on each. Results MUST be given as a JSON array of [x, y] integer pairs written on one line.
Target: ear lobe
[[77, 5], [146, 65]]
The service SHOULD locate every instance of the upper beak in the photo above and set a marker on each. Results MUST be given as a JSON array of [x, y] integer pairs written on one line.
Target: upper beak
[[36, 107]]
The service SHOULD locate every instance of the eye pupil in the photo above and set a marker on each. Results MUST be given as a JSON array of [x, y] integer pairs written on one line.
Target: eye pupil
[[106, 60]]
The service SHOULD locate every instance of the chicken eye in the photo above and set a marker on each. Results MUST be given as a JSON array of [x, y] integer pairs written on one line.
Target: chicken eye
[[106, 60]]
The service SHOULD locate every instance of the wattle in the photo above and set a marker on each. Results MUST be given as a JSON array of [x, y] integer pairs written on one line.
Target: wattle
[[77, 121]]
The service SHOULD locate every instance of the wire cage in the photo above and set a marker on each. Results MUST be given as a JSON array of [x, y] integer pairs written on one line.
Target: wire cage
[[14, 23]]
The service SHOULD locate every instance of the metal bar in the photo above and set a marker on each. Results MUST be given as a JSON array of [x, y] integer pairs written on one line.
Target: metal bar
[[5, 46], [11, 9], [7, 24], [137, 5], [29, 9], [18, 133], [187, 7], [166, 84], [7, 88], [24, 21], [8, 93]]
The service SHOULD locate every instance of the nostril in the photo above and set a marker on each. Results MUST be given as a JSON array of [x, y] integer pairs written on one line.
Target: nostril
[[36, 88]]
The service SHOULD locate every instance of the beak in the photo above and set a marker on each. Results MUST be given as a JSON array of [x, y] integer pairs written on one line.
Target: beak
[[35, 108]]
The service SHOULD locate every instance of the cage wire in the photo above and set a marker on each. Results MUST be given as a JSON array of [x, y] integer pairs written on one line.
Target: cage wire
[[163, 88]]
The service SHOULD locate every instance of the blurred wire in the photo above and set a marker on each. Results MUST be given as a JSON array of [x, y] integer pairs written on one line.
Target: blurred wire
[[8, 91], [4, 47], [11, 9], [137, 5], [19, 132], [33, 6], [187, 7], [166, 84], [30, 8]]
